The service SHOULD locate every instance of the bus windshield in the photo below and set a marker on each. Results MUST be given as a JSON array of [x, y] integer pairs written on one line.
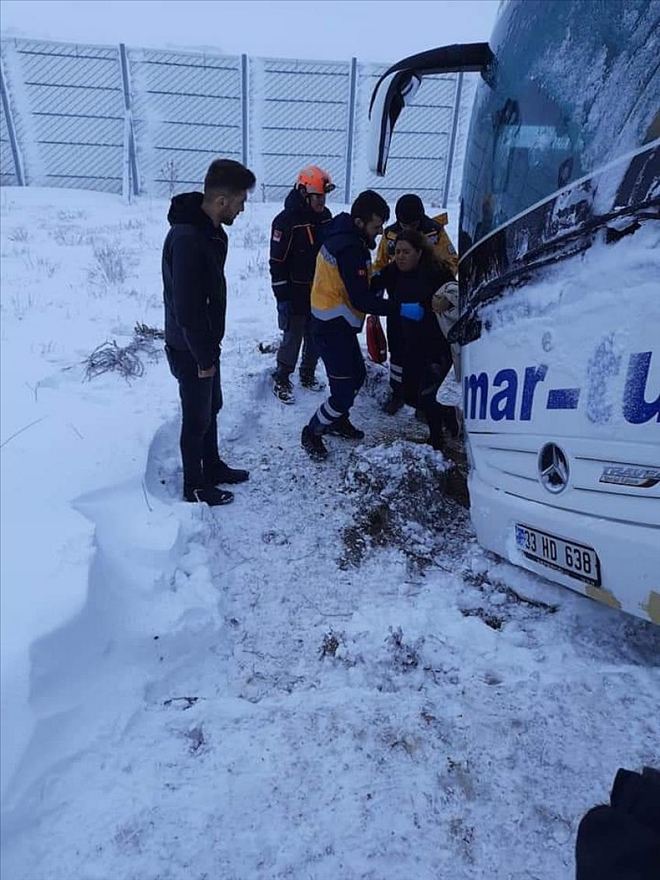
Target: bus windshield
[[540, 123]]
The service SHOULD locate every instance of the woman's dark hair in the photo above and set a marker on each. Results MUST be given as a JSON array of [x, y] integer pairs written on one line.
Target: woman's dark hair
[[429, 260], [367, 204], [228, 176]]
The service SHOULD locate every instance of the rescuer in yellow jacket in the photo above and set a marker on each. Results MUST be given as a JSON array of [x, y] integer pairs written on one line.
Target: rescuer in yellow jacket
[[410, 214], [340, 299]]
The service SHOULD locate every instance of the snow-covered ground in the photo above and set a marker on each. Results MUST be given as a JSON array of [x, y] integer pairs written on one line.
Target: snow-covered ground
[[326, 679]]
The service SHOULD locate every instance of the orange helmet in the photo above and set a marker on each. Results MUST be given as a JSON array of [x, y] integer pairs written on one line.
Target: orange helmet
[[315, 180]]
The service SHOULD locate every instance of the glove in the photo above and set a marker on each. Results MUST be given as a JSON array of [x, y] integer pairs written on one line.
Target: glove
[[284, 315], [412, 311]]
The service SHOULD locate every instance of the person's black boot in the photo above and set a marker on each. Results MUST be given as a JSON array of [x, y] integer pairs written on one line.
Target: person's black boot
[[208, 495], [283, 389], [393, 403], [344, 428], [310, 382], [222, 473], [313, 444]]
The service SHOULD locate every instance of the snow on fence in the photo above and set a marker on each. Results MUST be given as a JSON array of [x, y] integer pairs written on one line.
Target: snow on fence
[[144, 121]]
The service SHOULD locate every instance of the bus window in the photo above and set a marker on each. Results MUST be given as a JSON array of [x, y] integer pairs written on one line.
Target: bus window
[[538, 123], [532, 151]]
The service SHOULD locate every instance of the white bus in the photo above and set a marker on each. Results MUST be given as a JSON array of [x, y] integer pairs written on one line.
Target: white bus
[[559, 277]]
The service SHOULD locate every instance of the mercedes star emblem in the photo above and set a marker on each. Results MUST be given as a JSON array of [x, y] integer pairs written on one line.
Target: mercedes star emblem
[[553, 468]]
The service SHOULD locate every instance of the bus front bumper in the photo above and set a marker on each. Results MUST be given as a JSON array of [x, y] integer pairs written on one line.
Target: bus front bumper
[[612, 562]]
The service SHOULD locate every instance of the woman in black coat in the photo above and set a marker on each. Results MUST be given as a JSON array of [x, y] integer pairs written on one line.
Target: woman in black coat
[[413, 277]]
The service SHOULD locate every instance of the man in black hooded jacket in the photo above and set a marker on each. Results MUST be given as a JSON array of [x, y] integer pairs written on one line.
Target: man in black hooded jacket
[[296, 237], [195, 299]]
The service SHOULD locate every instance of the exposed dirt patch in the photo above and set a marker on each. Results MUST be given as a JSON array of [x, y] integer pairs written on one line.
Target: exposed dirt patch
[[406, 496]]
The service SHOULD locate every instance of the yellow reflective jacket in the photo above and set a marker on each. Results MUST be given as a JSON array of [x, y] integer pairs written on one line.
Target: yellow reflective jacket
[[340, 290], [433, 229]]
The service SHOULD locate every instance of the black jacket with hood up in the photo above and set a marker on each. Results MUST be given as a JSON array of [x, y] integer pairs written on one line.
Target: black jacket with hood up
[[194, 286]]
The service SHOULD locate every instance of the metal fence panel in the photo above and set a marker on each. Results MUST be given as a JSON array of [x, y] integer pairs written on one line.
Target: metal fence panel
[[298, 115], [69, 112], [150, 121], [186, 110]]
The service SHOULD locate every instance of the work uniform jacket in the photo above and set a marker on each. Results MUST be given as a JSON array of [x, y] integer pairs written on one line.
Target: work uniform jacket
[[295, 238], [340, 293], [433, 229]]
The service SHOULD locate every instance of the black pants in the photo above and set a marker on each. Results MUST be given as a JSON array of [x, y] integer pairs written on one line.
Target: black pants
[[396, 346], [439, 416], [296, 331], [201, 401]]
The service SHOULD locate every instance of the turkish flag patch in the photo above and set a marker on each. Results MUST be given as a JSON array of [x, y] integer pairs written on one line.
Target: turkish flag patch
[[277, 234]]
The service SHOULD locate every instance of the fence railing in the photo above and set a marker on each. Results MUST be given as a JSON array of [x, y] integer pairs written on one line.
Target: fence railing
[[143, 121]]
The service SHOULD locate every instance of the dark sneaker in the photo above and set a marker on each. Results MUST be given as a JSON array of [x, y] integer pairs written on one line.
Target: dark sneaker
[[222, 473], [209, 495], [393, 404], [283, 390], [311, 383], [313, 444], [344, 428]]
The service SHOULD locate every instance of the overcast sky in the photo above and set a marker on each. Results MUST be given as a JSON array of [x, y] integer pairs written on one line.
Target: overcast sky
[[371, 30]]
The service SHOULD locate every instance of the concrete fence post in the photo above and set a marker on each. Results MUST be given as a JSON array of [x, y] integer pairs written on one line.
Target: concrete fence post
[[452, 140], [352, 98], [131, 178], [11, 129]]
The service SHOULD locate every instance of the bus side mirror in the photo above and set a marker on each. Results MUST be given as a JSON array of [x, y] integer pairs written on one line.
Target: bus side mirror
[[387, 102], [398, 86]]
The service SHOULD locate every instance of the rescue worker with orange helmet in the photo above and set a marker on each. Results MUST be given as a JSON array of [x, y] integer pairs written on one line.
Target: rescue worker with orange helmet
[[296, 236]]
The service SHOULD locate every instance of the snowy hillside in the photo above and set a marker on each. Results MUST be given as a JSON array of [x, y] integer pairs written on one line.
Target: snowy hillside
[[325, 680]]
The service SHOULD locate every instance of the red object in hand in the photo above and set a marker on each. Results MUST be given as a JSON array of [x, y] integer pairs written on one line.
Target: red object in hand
[[376, 340]]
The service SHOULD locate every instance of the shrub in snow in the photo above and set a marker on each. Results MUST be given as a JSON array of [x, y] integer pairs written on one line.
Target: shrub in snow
[[71, 214], [404, 656], [256, 267], [39, 265], [68, 237], [22, 303], [255, 238], [331, 641], [126, 360], [110, 267], [144, 332], [20, 233], [110, 357]]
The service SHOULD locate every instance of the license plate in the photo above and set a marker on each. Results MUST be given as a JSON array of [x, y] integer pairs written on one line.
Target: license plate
[[576, 560]]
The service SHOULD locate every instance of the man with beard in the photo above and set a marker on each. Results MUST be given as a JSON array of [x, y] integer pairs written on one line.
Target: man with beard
[[195, 299], [340, 299], [295, 238]]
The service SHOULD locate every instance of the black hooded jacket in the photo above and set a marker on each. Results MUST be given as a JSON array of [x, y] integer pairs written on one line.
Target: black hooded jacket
[[296, 236], [194, 286]]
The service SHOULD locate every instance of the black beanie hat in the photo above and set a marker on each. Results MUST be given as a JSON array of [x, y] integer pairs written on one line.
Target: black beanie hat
[[409, 208]]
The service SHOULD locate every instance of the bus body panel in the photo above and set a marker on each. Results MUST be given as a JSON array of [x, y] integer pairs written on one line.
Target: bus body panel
[[560, 299], [559, 306]]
